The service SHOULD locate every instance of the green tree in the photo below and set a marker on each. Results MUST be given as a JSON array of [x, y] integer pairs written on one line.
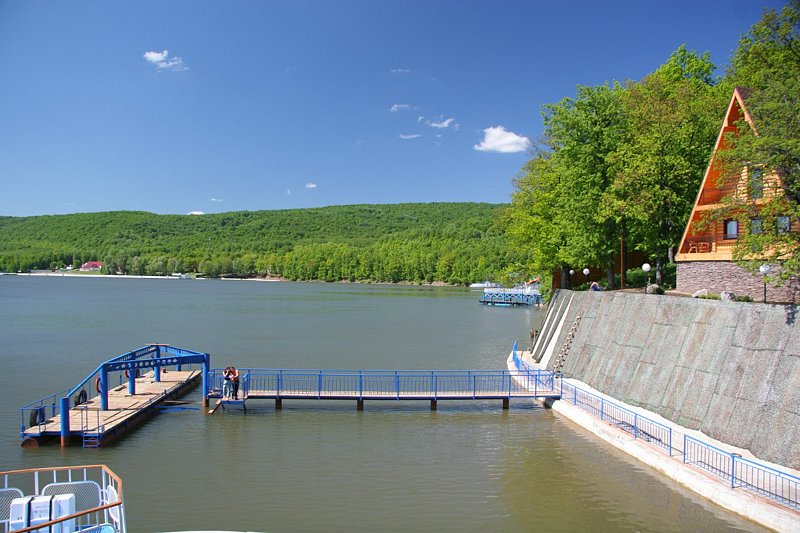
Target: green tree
[[674, 116], [767, 64], [560, 193], [530, 220]]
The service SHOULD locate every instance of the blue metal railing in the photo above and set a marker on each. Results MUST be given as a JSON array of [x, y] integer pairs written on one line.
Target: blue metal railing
[[502, 296], [625, 419], [737, 471], [629, 421], [543, 378], [741, 472], [389, 384], [41, 410]]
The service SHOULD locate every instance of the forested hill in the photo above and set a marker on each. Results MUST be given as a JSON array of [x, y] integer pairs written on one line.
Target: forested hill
[[449, 242]]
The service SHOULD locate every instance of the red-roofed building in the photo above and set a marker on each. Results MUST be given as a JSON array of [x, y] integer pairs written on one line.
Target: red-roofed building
[[91, 266]]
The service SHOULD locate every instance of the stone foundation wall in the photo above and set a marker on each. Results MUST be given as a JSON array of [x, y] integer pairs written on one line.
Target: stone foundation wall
[[718, 276], [728, 369]]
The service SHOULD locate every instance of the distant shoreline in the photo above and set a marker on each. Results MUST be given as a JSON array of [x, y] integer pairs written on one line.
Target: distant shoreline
[[267, 279], [124, 276]]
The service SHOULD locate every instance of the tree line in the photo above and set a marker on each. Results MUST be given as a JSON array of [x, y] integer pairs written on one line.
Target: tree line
[[620, 164], [454, 243]]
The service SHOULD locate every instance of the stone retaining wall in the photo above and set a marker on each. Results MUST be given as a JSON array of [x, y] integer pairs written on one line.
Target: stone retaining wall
[[728, 369], [718, 276]]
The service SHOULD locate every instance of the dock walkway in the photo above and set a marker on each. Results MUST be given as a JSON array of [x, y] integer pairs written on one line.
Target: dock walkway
[[362, 385]]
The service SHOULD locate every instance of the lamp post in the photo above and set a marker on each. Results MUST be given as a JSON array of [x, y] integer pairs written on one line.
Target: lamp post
[[646, 268], [571, 273], [586, 274], [764, 269]]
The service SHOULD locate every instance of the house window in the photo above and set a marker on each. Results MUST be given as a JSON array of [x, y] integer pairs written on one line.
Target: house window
[[784, 224], [755, 183], [756, 226], [731, 229]]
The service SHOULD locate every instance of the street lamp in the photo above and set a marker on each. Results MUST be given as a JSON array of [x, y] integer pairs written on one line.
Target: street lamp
[[646, 268], [764, 269], [586, 274]]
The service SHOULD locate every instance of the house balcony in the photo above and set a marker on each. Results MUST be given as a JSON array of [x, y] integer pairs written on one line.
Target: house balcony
[[713, 196], [706, 248]]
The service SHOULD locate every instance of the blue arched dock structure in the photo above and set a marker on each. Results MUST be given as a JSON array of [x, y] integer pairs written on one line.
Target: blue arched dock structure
[[114, 397]]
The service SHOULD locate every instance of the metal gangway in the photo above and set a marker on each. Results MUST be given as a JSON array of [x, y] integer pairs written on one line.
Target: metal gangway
[[398, 385]]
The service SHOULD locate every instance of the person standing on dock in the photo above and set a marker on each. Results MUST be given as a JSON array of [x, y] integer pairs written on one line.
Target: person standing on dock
[[235, 380], [227, 383]]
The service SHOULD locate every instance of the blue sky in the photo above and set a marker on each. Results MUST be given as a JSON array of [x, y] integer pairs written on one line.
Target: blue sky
[[196, 106]]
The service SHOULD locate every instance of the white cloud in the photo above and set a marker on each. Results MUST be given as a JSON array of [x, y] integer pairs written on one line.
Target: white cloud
[[156, 57], [397, 107], [420, 118], [214, 200], [412, 136], [400, 71], [442, 124], [162, 61], [288, 192], [497, 139], [311, 185], [195, 213]]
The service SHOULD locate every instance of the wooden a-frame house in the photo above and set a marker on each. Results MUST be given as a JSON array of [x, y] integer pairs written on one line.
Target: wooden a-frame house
[[705, 254]]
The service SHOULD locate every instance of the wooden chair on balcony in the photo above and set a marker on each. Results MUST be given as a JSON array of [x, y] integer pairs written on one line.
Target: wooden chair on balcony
[[692, 247], [704, 247]]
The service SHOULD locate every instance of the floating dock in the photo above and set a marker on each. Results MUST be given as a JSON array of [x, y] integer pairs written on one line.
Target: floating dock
[[97, 410], [506, 297]]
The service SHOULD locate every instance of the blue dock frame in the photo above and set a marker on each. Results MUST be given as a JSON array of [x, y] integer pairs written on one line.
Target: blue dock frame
[[57, 409]]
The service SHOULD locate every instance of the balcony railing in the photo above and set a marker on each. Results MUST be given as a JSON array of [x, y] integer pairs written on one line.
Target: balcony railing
[[710, 196]]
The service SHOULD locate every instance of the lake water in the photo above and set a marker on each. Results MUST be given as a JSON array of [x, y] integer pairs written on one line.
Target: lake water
[[323, 466]]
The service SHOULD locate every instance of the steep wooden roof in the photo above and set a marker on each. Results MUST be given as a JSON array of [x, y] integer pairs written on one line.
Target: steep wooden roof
[[736, 110]]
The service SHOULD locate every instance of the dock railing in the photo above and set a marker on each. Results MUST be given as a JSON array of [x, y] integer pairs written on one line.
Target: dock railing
[[388, 384], [738, 471]]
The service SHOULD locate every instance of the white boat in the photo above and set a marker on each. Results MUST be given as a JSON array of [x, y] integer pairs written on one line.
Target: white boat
[[484, 285]]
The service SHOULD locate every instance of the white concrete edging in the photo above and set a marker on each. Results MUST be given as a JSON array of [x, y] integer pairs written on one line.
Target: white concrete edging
[[749, 505]]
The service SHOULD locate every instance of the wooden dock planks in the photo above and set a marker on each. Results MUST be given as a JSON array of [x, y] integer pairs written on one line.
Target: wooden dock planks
[[122, 407]]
